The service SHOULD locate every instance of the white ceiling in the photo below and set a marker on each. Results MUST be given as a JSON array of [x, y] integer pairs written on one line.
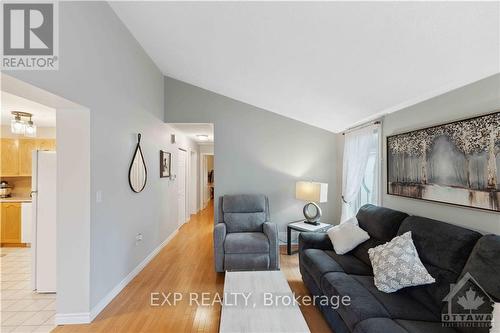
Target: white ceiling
[[192, 130], [329, 64], [43, 116]]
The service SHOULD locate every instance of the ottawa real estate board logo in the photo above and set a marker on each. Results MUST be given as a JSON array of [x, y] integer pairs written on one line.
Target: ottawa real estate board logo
[[30, 36]]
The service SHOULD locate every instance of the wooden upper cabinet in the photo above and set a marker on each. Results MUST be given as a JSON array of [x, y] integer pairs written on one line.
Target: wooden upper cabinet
[[46, 144], [10, 222], [9, 157], [16, 154], [26, 147]]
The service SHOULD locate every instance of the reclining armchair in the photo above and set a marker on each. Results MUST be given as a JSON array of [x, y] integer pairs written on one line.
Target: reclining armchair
[[244, 238]]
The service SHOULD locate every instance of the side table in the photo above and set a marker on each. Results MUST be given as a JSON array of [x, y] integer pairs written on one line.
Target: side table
[[301, 226]]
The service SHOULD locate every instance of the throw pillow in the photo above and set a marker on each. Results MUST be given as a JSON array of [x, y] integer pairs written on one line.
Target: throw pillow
[[346, 236], [396, 265]]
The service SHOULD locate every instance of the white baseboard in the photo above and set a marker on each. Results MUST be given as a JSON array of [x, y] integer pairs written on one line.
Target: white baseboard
[[86, 317], [72, 318]]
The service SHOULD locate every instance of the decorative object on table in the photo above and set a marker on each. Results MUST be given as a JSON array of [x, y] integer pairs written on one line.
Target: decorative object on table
[[396, 265], [347, 235], [165, 163], [18, 125], [314, 193], [137, 174], [5, 189], [302, 226], [454, 163]]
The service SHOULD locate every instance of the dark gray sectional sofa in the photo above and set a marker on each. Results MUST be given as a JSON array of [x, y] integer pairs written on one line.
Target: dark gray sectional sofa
[[447, 251]]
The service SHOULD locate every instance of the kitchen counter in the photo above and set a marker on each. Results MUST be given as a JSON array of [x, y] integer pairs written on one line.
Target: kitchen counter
[[16, 199]]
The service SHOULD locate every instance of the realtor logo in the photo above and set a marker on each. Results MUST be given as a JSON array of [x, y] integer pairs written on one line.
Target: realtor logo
[[29, 36], [469, 305]]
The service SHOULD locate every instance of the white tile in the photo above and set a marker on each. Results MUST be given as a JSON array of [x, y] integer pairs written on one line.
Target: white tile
[[44, 329], [39, 305], [39, 318], [8, 329], [24, 329], [6, 315], [7, 304], [50, 307], [18, 318], [21, 305]]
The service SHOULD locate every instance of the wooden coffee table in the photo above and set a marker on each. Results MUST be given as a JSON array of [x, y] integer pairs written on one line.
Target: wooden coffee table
[[254, 315]]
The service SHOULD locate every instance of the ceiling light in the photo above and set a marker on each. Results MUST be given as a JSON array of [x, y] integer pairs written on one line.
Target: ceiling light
[[20, 126], [202, 137], [30, 129]]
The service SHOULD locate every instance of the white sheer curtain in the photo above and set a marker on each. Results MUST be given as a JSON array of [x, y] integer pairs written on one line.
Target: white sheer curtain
[[360, 164]]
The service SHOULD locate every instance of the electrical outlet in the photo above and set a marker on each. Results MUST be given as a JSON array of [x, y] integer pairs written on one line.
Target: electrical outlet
[[98, 196]]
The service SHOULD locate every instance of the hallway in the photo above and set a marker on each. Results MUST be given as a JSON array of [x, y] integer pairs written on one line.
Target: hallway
[[184, 265]]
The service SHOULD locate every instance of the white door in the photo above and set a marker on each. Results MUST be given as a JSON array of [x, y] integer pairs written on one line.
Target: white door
[[181, 185]]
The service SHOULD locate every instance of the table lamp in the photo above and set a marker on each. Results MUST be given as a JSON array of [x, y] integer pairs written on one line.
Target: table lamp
[[313, 193]]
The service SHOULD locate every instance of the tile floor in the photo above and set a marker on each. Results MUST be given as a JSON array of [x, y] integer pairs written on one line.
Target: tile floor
[[22, 309]]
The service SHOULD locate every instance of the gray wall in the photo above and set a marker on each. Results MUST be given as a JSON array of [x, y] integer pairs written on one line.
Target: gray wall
[[257, 151], [103, 68], [472, 100]]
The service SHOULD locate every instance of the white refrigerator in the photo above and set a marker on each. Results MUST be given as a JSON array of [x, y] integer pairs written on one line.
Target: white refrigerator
[[43, 246]]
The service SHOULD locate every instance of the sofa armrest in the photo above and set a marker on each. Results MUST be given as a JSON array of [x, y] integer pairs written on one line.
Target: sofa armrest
[[314, 240], [271, 231], [219, 237]]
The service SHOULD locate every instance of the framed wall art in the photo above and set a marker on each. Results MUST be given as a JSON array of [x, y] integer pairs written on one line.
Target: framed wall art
[[456, 163], [165, 164]]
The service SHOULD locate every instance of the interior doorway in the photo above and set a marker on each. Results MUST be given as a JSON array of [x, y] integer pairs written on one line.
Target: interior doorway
[[64, 219]]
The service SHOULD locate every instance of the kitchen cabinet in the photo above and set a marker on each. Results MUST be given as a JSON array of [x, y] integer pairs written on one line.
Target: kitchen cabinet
[[26, 147], [26, 221], [10, 223], [46, 144], [10, 157], [16, 154]]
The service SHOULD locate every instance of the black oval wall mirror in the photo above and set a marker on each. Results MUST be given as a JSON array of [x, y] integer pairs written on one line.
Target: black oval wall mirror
[[137, 174]]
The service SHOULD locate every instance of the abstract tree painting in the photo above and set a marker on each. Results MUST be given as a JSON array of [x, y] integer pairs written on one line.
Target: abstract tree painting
[[456, 163]]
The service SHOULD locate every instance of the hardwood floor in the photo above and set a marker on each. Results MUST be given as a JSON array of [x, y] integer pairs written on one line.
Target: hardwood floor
[[184, 265]]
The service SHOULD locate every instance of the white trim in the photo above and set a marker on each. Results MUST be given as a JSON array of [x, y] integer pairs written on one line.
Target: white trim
[[86, 317], [119, 287], [72, 318]]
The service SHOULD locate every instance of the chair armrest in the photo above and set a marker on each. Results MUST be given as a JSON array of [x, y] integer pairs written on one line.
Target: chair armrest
[[271, 231], [314, 240], [219, 237]]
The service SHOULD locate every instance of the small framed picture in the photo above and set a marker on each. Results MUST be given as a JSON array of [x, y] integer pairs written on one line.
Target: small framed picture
[[165, 160]]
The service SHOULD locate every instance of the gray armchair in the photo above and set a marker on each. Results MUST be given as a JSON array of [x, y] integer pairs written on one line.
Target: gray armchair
[[244, 238]]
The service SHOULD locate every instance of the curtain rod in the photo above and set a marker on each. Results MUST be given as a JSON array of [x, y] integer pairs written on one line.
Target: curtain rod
[[376, 122]]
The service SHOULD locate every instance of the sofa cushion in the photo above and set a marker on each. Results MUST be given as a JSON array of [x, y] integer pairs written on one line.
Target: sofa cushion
[[246, 242], [319, 262], [361, 251], [386, 325], [244, 203], [380, 223], [246, 261], [443, 248], [484, 265], [400, 304], [244, 222], [363, 304]]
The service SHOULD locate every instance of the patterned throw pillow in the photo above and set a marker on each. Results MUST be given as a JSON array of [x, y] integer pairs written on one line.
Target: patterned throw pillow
[[396, 265]]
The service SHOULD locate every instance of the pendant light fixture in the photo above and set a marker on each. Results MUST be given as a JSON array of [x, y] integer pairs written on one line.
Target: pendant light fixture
[[20, 126]]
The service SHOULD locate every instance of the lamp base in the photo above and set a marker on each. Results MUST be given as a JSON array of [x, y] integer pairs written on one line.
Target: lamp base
[[311, 222]]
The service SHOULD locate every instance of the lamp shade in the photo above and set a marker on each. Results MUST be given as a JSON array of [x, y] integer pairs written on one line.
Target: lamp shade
[[311, 191]]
